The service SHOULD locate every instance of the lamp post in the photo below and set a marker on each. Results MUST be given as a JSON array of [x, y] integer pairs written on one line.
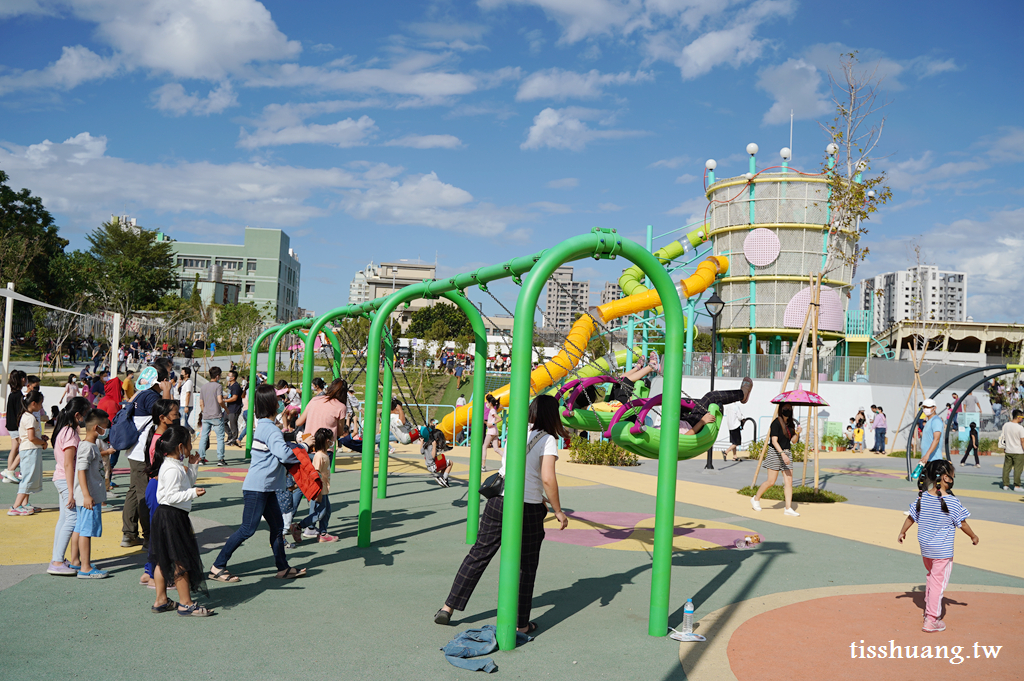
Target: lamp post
[[714, 306]]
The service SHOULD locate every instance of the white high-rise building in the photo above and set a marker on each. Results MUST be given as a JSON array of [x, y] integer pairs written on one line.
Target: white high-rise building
[[924, 293], [565, 299], [358, 289], [610, 292]]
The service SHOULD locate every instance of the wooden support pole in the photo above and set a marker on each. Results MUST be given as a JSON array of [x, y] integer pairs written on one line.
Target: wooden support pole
[[814, 378]]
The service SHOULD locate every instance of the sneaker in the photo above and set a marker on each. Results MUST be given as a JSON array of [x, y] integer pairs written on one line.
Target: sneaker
[[129, 540], [9, 476], [222, 463], [63, 570], [324, 538], [16, 510], [95, 573], [204, 461], [289, 544], [310, 533], [27, 510], [791, 512], [932, 626], [1007, 489], [440, 481], [755, 504]]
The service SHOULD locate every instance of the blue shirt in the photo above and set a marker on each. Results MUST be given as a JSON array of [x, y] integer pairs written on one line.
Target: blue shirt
[[935, 425], [935, 529], [267, 467]]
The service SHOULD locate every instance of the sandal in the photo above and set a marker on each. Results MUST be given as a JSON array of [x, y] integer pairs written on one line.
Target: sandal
[[223, 576], [166, 607], [292, 573], [530, 628], [194, 610]]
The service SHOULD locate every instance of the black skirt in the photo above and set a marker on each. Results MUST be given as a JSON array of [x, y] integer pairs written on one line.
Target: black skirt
[[175, 549]]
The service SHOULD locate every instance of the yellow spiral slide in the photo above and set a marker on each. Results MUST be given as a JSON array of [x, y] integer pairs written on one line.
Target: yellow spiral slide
[[559, 366]]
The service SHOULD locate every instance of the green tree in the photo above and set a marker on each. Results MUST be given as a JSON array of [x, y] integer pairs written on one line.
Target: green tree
[[28, 241], [72, 275], [238, 324], [454, 320], [133, 269]]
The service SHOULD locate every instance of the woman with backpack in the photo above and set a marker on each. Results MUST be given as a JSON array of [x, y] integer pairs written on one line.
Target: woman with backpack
[[265, 478]]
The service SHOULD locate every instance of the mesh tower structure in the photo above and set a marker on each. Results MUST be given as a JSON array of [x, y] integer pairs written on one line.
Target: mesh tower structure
[[774, 229]]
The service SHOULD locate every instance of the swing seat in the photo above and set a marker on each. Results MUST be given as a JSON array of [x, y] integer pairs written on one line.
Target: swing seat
[[648, 441]]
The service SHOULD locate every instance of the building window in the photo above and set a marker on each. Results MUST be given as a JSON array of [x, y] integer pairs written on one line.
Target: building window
[[250, 266], [195, 263], [250, 289], [229, 264]]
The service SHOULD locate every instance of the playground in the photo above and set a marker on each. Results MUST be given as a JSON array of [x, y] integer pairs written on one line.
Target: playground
[[807, 600]]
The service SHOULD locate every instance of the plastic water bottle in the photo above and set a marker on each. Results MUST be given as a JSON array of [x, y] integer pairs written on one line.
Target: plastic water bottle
[[917, 472], [688, 617]]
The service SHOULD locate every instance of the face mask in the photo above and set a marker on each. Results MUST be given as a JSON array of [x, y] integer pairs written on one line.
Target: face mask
[[101, 432], [786, 412]]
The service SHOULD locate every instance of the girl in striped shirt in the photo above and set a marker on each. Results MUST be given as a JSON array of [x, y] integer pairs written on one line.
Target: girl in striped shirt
[[937, 513]]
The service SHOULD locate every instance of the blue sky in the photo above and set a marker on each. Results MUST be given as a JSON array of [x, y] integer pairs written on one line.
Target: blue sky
[[477, 131]]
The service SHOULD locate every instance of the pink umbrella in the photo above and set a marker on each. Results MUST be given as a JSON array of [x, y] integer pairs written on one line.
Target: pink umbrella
[[800, 397]]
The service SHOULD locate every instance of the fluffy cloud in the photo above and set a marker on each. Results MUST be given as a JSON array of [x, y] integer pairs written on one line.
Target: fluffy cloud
[[564, 183], [346, 133], [608, 207], [76, 65], [560, 84], [80, 182], [567, 129], [551, 207], [796, 86], [692, 209], [173, 99], [426, 142], [402, 80], [579, 18]]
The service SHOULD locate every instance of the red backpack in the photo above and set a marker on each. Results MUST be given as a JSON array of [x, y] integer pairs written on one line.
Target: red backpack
[[305, 474]]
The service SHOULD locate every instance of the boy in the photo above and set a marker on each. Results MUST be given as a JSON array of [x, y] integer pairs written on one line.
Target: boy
[[90, 491], [849, 435]]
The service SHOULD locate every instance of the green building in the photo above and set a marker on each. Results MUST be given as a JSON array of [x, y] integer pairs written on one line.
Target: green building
[[265, 269]]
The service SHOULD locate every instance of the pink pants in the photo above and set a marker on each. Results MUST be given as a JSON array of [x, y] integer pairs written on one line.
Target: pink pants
[[939, 570]]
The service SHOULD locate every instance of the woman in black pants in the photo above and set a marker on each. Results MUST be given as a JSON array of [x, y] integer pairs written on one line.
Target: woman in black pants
[[541, 485]]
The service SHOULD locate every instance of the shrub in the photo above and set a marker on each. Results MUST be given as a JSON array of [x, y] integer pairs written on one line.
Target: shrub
[[902, 454], [802, 494], [755, 447], [600, 453], [987, 444]]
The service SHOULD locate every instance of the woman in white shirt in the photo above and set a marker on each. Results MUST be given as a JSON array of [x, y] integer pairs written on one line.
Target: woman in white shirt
[[541, 486]]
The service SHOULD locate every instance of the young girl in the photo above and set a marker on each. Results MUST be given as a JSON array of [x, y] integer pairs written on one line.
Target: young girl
[[15, 406], [30, 433], [165, 414], [65, 450], [937, 514], [433, 454], [70, 390], [491, 410], [320, 509], [175, 552]]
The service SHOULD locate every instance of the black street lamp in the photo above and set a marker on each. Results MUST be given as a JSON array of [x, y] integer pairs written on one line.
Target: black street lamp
[[714, 306]]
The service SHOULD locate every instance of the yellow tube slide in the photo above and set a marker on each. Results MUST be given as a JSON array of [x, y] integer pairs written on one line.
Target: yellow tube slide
[[571, 353]]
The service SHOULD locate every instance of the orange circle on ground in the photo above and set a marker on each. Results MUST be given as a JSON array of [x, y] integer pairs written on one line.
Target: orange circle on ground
[[811, 640]]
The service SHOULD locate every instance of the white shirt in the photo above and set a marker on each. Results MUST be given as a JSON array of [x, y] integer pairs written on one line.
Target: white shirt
[[185, 396], [1012, 433], [461, 402], [546, 446], [733, 416], [176, 484]]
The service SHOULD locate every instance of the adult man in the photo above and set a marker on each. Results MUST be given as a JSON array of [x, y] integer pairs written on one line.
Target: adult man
[[880, 424], [931, 433], [211, 405], [233, 404], [971, 404], [185, 398], [1013, 449]]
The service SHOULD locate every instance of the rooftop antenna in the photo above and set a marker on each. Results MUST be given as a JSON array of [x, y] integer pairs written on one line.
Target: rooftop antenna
[[791, 132]]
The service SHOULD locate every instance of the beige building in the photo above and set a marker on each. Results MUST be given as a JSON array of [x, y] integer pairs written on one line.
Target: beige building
[[388, 277], [565, 299], [610, 292]]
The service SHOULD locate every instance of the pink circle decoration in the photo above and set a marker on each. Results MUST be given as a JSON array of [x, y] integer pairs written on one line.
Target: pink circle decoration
[[831, 315], [761, 247]]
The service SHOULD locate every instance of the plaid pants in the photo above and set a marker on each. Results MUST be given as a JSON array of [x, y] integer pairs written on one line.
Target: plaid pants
[[719, 397], [488, 542]]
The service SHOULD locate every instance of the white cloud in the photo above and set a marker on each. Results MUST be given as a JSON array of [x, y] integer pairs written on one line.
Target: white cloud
[[426, 142], [346, 133], [687, 178], [1008, 147], [693, 209], [579, 18], [13, 8], [564, 183], [608, 207], [559, 84], [673, 162], [431, 86], [323, 48], [567, 129], [76, 65], [551, 207], [172, 98], [80, 182], [797, 86]]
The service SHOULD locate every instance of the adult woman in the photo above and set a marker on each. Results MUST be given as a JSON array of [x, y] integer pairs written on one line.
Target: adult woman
[[15, 382], [778, 457], [491, 410], [265, 478], [326, 411], [65, 450], [542, 452]]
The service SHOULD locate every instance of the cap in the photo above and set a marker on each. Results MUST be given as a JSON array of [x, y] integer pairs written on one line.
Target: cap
[[282, 391], [928, 404]]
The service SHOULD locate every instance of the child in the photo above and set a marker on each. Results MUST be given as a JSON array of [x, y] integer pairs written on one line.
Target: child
[[491, 409], [175, 550], [937, 513], [433, 453], [165, 414], [30, 434], [90, 492], [320, 509], [858, 439]]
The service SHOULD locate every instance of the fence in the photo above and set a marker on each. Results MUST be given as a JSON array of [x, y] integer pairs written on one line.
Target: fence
[[834, 368]]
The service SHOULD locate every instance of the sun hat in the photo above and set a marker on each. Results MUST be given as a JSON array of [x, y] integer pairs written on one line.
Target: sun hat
[[146, 379]]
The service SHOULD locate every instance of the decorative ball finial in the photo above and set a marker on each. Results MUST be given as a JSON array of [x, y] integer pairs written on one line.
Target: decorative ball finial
[[786, 154], [711, 164], [832, 149], [751, 148]]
